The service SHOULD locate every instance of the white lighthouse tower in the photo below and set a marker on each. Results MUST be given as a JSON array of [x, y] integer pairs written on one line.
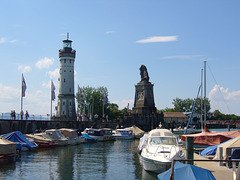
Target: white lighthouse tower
[[66, 98]]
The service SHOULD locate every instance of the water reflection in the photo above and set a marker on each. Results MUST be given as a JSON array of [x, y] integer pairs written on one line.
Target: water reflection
[[102, 160]]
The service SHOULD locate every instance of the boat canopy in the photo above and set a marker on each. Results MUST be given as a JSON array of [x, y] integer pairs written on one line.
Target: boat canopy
[[187, 172], [70, 133], [227, 147], [211, 138], [19, 139], [6, 146]]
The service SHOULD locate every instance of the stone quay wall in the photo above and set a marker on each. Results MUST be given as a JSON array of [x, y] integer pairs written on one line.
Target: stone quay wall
[[144, 122]]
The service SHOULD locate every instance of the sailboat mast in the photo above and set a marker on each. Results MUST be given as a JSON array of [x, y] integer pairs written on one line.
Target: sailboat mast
[[202, 99], [205, 108]]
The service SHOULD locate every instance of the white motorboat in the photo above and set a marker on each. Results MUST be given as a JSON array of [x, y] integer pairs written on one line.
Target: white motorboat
[[72, 136], [58, 138], [123, 134], [157, 150]]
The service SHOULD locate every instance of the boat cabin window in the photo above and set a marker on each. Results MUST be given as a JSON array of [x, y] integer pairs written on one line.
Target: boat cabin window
[[163, 140], [168, 134], [156, 134]]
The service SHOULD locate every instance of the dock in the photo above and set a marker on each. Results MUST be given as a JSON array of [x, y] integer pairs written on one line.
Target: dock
[[219, 172]]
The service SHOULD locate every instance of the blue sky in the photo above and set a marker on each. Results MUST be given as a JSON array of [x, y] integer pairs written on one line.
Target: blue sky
[[112, 39]]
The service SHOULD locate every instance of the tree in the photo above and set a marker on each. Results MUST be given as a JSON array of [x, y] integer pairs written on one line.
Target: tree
[[92, 100], [186, 105]]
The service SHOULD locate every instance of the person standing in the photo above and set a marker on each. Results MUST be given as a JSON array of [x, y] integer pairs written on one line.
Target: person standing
[[21, 114], [27, 115]]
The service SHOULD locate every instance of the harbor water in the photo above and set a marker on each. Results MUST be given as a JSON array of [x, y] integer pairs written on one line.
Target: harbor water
[[110, 160]]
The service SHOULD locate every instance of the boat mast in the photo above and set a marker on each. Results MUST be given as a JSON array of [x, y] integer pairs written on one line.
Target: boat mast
[[202, 99], [205, 108]]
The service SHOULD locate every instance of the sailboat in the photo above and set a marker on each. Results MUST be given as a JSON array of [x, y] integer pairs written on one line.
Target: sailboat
[[206, 137]]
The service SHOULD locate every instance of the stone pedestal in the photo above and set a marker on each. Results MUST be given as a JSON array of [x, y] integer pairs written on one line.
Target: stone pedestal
[[144, 99]]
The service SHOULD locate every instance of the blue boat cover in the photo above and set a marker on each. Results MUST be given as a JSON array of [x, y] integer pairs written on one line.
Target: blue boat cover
[[19, 139], [211, 150], [187, 172], [87, 136]]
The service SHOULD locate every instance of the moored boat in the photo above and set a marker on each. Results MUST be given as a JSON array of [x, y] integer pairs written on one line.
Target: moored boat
[[104, 134], [7, 150], [55, 135], [22, 143], [123, 134], [41, 141], [72, 136], [158, 150]]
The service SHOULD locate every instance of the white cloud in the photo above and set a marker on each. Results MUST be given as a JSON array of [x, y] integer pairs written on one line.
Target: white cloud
[[24, 69], [124, 103], [8, 93], [225, 101], [188, 57], [44, 63], [109, 32], [53, 74], [158, 39], [4, 40]]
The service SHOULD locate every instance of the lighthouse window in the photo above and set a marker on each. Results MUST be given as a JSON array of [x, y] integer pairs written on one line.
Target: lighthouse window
[[64, 80], [64, 60]]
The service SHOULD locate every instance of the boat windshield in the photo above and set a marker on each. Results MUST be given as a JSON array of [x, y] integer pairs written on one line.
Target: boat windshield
[[163, 140]]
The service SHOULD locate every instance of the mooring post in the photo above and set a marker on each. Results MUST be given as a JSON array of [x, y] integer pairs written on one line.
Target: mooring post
[[220, 155], [189, 147]]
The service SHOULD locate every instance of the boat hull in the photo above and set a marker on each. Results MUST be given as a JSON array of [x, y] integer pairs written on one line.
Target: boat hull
[[154, 166]]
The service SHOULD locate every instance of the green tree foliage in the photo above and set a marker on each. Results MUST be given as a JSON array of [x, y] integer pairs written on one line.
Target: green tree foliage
[[217, 115], [92, 100], [186, 105]]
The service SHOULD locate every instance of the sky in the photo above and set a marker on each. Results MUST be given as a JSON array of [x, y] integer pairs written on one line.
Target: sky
[[112, 39]]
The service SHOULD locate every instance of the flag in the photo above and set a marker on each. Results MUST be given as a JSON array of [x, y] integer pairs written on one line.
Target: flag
[[24, 86], [79, 94], [105, 98], [52, 91]]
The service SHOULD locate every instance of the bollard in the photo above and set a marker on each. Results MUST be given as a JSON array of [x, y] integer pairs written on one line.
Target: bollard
[[189, 147], [220, 155]]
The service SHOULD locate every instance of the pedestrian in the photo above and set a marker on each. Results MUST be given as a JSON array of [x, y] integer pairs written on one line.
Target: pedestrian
[[14, 115], [27, 115], [21, 114]]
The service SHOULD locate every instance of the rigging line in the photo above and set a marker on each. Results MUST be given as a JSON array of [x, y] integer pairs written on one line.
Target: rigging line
[[218, 88]]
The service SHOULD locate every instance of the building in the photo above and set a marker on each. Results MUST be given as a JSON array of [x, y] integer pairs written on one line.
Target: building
[[177, 118], [66, 98]]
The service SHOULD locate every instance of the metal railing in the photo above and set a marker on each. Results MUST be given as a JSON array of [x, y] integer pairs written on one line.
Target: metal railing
[[7, 116]]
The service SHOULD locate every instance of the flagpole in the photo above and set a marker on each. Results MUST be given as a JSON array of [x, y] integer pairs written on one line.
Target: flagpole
[[22, 94]]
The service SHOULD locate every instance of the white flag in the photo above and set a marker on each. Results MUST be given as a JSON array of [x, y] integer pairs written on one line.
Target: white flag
[[24, 86], [79, 94], [52, 91]]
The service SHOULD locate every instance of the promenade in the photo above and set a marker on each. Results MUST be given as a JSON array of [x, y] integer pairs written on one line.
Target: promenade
[[219, 172]]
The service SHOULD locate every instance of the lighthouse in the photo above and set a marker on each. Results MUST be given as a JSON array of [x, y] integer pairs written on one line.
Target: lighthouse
[[66, 98]]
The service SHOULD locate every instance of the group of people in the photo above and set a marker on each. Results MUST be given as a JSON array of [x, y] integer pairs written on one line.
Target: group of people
[[13, 115]]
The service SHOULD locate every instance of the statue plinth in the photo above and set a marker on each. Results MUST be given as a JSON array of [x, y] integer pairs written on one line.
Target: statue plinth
[[144, 99]]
